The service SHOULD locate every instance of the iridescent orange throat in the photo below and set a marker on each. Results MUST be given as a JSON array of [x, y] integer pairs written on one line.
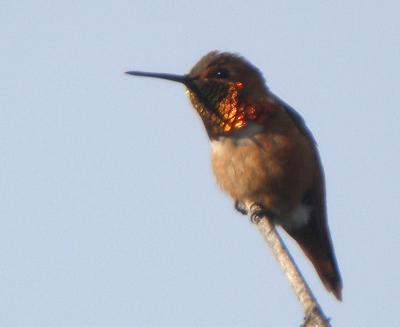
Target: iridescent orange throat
[[223, 112]]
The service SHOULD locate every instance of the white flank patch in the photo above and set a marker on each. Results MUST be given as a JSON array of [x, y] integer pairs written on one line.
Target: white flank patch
[[298, 218]]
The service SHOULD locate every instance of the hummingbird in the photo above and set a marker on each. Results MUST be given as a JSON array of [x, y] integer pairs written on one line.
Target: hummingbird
[[263, 153]]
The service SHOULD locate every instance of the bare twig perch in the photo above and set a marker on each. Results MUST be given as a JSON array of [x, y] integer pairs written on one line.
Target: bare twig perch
[[313, 315]]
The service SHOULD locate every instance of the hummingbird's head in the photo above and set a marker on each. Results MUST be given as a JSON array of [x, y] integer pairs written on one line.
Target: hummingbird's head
[[224, 89]]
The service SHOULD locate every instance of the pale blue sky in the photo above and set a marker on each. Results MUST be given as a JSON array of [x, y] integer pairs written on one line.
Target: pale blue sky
[[109, 213]]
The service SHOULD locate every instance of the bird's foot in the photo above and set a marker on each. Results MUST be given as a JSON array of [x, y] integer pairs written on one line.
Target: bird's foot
[[257, 212], [241, 207]]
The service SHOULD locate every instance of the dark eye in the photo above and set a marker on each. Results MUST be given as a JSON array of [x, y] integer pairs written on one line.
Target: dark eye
[[221, 74]]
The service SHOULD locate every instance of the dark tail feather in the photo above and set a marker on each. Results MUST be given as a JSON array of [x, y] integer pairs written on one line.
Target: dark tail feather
[[315, 241]]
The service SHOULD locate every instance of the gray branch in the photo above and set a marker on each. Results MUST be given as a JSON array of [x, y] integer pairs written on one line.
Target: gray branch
[[313, 315]]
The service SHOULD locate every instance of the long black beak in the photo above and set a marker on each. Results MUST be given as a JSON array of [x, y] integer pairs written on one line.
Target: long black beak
[[188, 81], [171, 77]]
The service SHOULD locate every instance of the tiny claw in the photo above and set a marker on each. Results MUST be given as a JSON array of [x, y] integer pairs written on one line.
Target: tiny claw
[[257, 212], [255, 218], [241, 207]]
